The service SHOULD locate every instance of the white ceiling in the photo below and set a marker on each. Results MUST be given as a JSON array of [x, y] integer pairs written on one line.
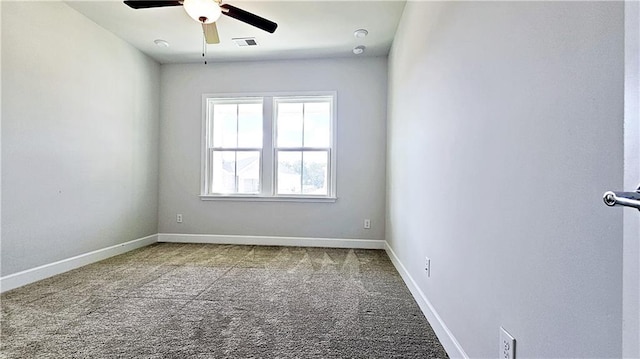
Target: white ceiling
[[306, 29]]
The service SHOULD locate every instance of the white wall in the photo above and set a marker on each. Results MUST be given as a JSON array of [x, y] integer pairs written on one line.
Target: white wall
[[0, 143], [361, 85], [79, 139], [505, 128], [631, 218]]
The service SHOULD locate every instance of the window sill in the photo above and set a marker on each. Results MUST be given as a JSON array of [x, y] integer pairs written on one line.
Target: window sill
[[268, 199]]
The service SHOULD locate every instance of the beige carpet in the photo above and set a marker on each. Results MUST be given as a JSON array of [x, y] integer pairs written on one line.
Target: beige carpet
[[220, 301]]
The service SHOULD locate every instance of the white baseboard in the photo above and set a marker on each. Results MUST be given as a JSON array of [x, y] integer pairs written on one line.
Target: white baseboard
[[272, 241], [449, 342], [28, 276]]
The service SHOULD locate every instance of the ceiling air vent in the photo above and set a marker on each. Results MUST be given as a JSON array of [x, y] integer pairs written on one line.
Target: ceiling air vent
[[245, 41]]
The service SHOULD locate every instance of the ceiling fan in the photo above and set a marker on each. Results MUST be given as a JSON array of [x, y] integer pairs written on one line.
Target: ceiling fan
[[207, 12]]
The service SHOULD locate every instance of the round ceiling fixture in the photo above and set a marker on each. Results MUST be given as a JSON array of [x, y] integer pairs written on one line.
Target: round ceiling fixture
[[161, 43], [203, 11], [360, 33], [358, 50]]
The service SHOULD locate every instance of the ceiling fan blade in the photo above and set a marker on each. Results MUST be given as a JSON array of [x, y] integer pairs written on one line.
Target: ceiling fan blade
[[145, 4], [249, 18], [211, 33]]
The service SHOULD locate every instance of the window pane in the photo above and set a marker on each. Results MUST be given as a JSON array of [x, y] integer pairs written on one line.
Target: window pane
[[289, 125], [314, 173], [250, 125], [235, 172], [317, 122], [289, 172], [223, 168], [225, 125], [248, 172]]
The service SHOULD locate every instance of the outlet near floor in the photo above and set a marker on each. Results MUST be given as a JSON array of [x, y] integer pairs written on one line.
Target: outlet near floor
[[367, 224], [507, 345], [179, 217]]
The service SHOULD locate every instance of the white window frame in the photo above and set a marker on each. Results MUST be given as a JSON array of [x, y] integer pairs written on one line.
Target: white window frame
[[210, 149], [268, 162]]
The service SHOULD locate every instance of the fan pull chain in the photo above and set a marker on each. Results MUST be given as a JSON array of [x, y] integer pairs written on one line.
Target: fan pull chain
[[204, 48]]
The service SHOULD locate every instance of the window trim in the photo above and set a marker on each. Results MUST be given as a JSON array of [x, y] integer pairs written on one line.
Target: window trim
[[268, 165], [207, 142]]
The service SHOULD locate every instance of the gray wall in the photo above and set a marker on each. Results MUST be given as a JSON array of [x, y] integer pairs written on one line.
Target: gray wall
[[631, 219], [361, 85], [505, 128], [79, 139]]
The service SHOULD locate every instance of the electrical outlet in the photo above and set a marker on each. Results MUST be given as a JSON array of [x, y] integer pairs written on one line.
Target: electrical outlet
[[367, 224], [427, 266], [179, 218], [507, 345]]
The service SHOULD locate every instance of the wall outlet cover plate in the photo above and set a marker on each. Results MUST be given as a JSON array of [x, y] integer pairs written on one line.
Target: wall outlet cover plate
[[507, 345]]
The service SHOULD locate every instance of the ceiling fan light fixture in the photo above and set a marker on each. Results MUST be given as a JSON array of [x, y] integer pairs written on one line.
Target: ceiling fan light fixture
[[202, 11]]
